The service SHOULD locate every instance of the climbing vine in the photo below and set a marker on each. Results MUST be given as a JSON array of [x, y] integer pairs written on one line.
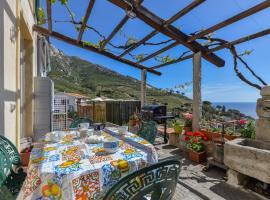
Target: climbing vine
[[209, 41]]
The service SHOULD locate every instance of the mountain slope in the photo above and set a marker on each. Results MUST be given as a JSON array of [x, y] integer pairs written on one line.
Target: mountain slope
[[72, 74]]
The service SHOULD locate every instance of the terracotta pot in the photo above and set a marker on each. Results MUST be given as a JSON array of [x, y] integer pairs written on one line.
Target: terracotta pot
[[209, 147], [217, 136], [182, 145], [197, 156], [25, 158], [132, 122]]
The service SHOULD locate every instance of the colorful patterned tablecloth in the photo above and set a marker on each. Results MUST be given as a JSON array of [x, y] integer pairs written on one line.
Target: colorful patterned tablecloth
[[72, 169]]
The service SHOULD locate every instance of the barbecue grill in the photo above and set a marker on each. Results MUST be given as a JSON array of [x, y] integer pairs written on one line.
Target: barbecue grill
[[158, 113]]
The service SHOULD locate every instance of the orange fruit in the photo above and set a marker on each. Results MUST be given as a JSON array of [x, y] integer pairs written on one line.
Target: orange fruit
[[46, 191], [123, 165]]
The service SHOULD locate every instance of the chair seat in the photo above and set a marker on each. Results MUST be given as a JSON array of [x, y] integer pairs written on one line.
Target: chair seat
[[11, 172]]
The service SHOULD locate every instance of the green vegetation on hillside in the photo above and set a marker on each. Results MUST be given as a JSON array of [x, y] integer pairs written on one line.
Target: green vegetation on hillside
[[72, 74]]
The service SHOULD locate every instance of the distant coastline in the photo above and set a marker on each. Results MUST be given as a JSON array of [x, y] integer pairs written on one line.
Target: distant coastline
[[247, 108]]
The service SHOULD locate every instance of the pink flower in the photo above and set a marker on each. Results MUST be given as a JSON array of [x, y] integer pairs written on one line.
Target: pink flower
[[188, 116]]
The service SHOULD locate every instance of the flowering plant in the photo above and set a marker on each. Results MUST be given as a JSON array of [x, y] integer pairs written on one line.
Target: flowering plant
[[242, 121], [194, 140], [188, 119]]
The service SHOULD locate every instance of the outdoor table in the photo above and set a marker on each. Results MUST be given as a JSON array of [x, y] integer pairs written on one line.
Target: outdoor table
[[72, 169]]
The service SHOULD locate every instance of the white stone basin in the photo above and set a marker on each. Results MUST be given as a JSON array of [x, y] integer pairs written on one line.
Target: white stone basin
[[249, 157]]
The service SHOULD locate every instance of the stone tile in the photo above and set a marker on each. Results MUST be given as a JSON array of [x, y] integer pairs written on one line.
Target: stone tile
[[196, 184]]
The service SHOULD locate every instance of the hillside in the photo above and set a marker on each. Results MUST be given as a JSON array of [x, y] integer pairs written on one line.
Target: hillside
[[72, 74]]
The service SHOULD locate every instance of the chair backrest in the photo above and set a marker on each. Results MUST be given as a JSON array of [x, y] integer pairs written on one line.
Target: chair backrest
[[77, 121], [148, 131], [9, 156], [157, 182]]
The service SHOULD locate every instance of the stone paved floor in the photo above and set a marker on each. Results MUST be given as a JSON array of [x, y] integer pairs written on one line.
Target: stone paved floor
[[196, 184]]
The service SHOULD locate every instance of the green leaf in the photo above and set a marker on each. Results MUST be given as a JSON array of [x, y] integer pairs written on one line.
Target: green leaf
[[139, 57], [41, 16], [63, 2]]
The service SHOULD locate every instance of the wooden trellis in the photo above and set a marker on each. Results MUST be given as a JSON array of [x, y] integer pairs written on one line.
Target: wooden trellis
[[134, 8], [160, 26]]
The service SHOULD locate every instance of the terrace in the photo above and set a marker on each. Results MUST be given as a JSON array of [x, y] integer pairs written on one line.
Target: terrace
[[90, 161]]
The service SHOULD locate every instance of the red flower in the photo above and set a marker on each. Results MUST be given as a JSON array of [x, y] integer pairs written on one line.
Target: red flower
[[243, 121], [196, 140], [189, 133], [186, 138], [198, 134], [205, 138]]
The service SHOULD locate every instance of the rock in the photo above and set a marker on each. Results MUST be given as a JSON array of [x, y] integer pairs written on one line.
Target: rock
[[263, 108], [265, 91], [263, 129]]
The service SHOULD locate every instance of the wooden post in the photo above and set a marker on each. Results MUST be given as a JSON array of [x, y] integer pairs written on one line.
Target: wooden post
[[143, 87], [196, 105]]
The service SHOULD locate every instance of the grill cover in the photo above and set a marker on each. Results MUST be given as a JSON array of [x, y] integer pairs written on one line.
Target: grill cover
[[150, 112]]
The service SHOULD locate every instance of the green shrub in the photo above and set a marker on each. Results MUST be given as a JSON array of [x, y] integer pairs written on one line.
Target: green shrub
[[248, 131]]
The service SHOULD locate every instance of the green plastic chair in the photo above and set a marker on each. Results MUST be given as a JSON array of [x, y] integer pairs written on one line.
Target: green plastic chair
[[76, 122], [11, 172], [148, 131], [156, 182]]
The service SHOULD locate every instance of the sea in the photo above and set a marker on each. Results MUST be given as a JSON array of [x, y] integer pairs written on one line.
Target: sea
[[247, 108]]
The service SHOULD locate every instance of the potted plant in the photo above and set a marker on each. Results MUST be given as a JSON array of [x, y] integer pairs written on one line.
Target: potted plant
[[195, 146], [188, 122], [178, 127], [133, 120], [174, 136], [25, 156]]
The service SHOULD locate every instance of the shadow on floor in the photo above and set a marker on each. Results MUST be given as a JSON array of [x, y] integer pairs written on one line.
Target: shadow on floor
[[229, 192], [193, 190]]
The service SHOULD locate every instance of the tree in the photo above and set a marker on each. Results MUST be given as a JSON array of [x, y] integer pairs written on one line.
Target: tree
[[223, 109]]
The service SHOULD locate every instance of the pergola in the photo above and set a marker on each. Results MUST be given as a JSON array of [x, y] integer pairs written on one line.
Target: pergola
[[134, 8]]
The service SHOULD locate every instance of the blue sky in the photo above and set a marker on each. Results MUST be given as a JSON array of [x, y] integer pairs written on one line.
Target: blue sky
[[218, 84]]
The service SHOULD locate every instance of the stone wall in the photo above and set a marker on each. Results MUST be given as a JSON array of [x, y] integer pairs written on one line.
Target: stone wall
[[263, 111]]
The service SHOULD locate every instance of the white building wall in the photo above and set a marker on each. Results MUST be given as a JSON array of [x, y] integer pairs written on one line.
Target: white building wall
[[16, 21], [8, 69]]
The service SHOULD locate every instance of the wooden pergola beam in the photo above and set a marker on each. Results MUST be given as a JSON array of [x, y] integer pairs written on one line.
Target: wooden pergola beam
[[231, 20], [184, 11], [85, 19], [80, 44], [241, 40], [49, 14], [223, 46], [178, 15], [117, 28], [158, 24], [159, 52]]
